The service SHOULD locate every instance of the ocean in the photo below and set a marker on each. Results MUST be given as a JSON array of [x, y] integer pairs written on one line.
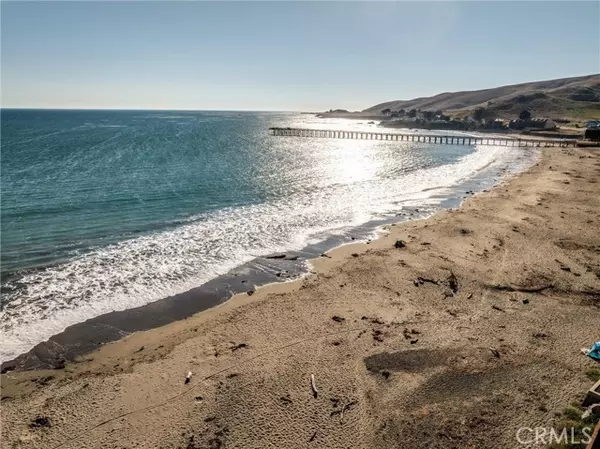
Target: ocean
[[110, 210]]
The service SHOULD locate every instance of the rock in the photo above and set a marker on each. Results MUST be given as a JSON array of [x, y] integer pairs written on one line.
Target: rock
[[338, 319], [60, 363], [400, 244], [40, 422], [275, 256], [250, 292]]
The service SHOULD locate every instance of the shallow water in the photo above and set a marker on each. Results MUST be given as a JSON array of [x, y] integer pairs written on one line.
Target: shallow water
[[108, 210]]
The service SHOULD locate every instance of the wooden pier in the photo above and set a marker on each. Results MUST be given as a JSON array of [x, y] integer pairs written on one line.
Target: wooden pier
[[423, 138]]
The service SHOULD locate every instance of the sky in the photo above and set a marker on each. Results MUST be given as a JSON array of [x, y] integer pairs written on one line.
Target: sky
[[283, 56]]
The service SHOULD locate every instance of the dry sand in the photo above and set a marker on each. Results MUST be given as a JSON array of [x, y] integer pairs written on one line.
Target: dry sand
[[470, 331]]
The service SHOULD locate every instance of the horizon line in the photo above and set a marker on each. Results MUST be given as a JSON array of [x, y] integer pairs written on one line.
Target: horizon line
[[20, 108]]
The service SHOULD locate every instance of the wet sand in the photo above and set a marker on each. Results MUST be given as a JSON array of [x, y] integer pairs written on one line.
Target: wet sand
[[468, 330]]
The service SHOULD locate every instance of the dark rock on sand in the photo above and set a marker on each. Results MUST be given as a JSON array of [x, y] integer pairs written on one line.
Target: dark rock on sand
[[40, 422], [400, 244]]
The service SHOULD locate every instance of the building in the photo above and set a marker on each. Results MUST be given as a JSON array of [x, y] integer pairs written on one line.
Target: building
[[535, 123]]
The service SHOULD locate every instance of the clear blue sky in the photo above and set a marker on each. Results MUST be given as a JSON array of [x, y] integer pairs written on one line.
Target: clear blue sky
[[283, 56]]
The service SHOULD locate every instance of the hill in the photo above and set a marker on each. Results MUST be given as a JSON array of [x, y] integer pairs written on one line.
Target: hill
[[577, 97]]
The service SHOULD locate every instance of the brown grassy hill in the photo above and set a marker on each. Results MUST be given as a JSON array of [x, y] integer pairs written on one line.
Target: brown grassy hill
[[577, 97]]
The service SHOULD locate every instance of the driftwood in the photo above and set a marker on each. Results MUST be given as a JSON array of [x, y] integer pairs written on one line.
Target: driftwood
[[343, 409], [514, 288], [313, 386]]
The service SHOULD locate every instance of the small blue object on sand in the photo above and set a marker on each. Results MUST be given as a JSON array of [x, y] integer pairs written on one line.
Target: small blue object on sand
[[595, 351]]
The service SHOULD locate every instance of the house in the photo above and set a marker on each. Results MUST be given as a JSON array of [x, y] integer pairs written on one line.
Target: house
[[535, 123]]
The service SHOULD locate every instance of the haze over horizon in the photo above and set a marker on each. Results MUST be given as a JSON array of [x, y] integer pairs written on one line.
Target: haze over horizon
[[283, 56]]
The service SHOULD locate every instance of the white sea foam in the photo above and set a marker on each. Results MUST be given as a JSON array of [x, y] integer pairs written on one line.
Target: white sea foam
[[138, 271]]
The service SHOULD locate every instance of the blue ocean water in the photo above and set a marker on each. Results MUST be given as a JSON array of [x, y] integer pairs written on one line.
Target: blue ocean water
[[107, 210]]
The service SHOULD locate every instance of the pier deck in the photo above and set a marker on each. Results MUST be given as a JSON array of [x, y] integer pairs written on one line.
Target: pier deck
[[424, 138]]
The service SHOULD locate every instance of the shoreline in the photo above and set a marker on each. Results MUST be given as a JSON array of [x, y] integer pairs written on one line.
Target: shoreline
[[80, 339], [473, 327]]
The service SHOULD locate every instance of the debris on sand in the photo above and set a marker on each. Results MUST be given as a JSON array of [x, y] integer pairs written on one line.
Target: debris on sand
[[40, 422], [400, 244], [313, 386], [593, 352], [495, 352], [338, 319], [343, 410], [188, 378], [513, 288], [377, 335], [409, 334], [238, 346], [452, 282], [372, 320], [421, 280], [285, 399]]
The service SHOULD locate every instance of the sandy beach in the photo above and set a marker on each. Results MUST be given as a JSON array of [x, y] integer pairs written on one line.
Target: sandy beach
[[453, 331]]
